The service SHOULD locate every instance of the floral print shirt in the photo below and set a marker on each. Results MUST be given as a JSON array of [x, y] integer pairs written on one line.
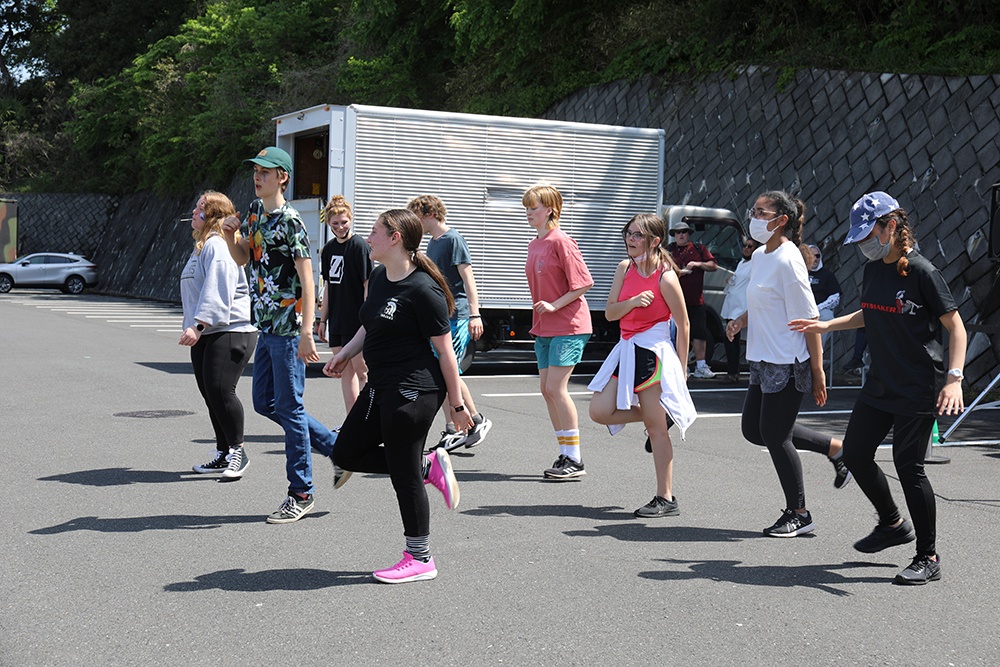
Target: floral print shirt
[[276, 240]]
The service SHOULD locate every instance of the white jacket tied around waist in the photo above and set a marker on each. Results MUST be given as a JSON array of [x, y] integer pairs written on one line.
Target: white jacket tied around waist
[[674, 395]]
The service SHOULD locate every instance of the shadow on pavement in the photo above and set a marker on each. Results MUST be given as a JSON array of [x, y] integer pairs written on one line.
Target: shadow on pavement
[[820, 577], [579, 511], [636, 531], [139, 524], [294, 579]]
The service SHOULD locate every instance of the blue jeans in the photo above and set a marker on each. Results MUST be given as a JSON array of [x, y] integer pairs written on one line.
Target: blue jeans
[[279, 379]]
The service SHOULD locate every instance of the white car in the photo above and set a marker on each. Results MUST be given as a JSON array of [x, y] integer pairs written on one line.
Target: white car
[[70, 273]]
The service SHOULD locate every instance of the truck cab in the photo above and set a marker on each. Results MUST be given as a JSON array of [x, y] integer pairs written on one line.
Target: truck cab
[[723, 233]]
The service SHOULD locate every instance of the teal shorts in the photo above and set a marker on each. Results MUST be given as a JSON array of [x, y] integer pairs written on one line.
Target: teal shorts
[[560, 350], [460, 339]]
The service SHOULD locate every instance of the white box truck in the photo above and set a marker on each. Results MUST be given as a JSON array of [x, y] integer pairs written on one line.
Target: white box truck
[[380, 158]]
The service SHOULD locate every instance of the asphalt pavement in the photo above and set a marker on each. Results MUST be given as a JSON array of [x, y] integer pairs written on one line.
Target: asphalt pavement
[[115, 553]]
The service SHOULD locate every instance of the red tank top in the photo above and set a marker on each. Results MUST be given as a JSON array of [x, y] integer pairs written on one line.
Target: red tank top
[[640, 319]]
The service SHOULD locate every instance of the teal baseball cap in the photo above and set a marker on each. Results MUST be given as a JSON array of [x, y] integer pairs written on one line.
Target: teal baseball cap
[[273, 157]]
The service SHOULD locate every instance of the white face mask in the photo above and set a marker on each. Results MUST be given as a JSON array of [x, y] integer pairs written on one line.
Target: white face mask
[[873, 249], [759, 230]]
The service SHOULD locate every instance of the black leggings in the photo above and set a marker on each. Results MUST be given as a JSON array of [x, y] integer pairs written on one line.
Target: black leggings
[[733, 354], [910, 435], [386, 417], [769, 421], [218, 360]]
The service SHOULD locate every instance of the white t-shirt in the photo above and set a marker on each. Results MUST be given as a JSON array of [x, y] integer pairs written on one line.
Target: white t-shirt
[[778, 292]]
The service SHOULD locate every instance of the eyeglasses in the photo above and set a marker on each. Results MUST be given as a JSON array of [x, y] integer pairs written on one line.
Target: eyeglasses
[[817, 255], [681, 231], [752, 246], [759, 213], [633, 236]]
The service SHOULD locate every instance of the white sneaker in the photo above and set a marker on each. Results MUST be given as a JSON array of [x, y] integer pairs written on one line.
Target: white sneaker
[[703, 372]]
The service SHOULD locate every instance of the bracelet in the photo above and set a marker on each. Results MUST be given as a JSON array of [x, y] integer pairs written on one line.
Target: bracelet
[[475, 317]]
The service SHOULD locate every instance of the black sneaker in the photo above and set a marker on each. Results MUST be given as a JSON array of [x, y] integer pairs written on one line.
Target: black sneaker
[[293, 509], [884, 537], [842, 476], [565, 468], [920, 571], [218, 464], [790, 524], [649, 445], [340, 476], [450, 439], [658, 506], [238, 462]]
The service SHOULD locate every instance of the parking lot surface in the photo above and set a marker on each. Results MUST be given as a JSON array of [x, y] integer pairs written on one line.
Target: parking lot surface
[[115, 553]]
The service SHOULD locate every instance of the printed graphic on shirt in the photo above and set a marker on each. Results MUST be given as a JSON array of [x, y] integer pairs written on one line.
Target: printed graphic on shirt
[[336, 269], [389, 311], [902, 306]]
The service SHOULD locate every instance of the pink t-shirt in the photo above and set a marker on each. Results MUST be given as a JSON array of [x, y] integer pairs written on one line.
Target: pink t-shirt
[[555, 267], [640, 319]]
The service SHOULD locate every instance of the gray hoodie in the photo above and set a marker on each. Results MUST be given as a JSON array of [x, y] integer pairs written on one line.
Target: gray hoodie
[[214, 290]]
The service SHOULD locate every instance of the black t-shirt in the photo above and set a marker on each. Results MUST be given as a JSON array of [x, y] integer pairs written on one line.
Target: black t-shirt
[[345, 267], [902, 320], [399, 319], [823, 284]]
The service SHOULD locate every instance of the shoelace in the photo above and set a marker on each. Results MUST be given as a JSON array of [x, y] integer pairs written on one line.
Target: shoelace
[[289, 506], [236, 458]]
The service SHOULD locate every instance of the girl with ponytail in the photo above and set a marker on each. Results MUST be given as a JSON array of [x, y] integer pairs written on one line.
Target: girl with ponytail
[[385, 432], [905, 304], [784, 364]]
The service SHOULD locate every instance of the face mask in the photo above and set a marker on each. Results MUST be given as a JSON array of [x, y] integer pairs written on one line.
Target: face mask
[[759, 231], [873, 249]]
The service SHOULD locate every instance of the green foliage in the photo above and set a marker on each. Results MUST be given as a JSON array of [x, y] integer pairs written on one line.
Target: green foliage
[[186, 88]]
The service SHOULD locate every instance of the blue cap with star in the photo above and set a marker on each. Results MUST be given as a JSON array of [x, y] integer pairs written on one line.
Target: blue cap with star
[[865, 212]]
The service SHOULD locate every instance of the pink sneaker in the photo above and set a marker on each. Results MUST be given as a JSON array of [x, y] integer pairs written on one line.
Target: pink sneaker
[[408, 569], [443, 477]]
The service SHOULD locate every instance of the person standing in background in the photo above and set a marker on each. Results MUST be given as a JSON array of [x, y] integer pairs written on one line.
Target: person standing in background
[[345, 266], [215, 298], [694, 260], [734, 305]]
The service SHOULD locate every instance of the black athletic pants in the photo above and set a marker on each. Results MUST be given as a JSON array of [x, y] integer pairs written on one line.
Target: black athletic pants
[[386, 417], [219, 360], [769, 421], [865, 432]]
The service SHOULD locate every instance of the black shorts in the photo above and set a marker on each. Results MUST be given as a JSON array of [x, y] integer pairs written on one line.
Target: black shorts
[[340, 341], [698, 321], [647, 369]]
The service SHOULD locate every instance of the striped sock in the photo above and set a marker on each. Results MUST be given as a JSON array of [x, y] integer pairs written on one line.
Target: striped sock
[[569, 444], [419, 547]]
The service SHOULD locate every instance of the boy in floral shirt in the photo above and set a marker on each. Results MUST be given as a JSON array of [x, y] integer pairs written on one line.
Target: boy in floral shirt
[[273, 240]]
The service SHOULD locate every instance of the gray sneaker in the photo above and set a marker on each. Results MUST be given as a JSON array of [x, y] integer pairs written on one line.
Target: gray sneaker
[[293, 509], [657, 507], [920, 571], [478, 433]]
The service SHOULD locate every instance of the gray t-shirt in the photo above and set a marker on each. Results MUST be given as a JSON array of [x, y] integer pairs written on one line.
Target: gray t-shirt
[[448, 251]]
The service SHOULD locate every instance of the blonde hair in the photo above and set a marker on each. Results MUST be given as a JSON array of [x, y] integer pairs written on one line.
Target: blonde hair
[[217, 208], [337, 205], [546, 195]]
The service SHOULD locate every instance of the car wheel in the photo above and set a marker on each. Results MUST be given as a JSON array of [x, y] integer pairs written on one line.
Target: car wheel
[[74, 285], [6, 283]]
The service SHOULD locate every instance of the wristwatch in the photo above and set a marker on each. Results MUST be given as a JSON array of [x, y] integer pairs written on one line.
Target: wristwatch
[[956, 373], [458, 408], [199, 326]]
